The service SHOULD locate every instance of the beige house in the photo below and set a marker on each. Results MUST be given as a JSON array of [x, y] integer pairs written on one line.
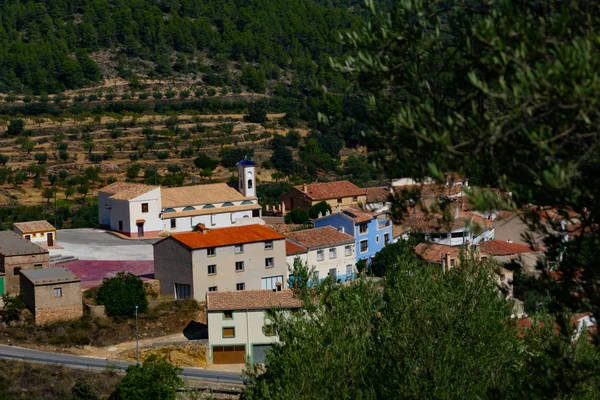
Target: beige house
[[38, 232], [340, 193], [239, 328], [52, 294], [330, 252], [223, 259], [16, 255]]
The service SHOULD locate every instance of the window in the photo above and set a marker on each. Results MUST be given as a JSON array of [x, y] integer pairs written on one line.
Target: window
[[168, 210], [27, 237], [320, 255], [249, 183], [239, 248], [452, 262], [269, 263], [144, 207], [211, 252], [270, 282], [208, 206], [57, 292], [228, 314], [457, 235], [239, 266], [364, 246], [212, 288], [341, 229], [173, 223], [240, 286], [17, 271], [332, 253], [120, 225], [247, 202], [189, 208], [227, 204], [349, 271], [484, 259], [228, 332], [348, 250], [269, 245], [212, 269], [363, 228], [182, 291], [386, 238], [268, 330], [377, 239], [339, 201], [37, 266]]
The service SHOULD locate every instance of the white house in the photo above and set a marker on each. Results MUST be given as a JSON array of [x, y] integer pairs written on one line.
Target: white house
[[239, 328], [39, 232], [331, 252], [139, 210]]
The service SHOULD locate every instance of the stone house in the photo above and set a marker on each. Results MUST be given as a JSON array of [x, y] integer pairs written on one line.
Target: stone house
[[52, 294], [39, 232], [223, 259], [239, 328], [16, 255], [340, 193], [326, 249]]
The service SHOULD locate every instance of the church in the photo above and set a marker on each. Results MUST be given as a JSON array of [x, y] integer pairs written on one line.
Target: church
[[138, 210]]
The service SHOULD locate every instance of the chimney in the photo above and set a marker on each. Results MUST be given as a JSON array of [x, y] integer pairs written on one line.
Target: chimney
[[202, 228], [304, 188]]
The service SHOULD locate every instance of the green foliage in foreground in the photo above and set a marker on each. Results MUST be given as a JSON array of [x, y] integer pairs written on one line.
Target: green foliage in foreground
[[122, 294], [423, 335], [155, 379]]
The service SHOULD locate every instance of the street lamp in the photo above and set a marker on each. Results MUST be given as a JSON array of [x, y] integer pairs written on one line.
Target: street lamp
[[137, 348]]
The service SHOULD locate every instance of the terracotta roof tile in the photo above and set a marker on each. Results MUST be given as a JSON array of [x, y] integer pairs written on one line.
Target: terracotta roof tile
[[398, 230], [251, 300], [226, 236], [432, 222], [320, 237], [126, 190], [331, 190], [359, 216], [34, 226], [378, 194], [292, 248], [433, 252], [200, 194], [502, 248]]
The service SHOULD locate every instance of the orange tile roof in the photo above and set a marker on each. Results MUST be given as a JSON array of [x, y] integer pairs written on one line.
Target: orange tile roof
[[378, 194], [320, 237], [200, 194], [432, 222], [398, 230], [226, 236], [433, 252], [292, 248], [502, 248], [126, 190], [358, 215], [331, 190], [34, 226], [251, 300]]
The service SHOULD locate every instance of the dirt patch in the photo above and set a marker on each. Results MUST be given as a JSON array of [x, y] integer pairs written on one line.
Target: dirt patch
[[181, 356]]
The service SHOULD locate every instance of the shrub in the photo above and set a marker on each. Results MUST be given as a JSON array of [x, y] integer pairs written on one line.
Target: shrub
[[184, 94], [83, 391], [15, 127], [205, 162], [156, 378], [211, 92], [143, 96], [41, 158], [116, 133], [169, 94], [296, 217], [199, 93], [162, 155], [13, 305], [121, 294], [321, 207], [95, 158], [157, 95]]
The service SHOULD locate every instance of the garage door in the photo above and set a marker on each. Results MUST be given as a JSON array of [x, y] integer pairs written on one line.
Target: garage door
[[229, 354], [259, 352]]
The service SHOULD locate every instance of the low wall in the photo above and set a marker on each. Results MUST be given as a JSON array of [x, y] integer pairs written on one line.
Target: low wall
[[96, 311]]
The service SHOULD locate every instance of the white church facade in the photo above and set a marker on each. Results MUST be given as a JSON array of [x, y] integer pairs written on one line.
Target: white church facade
[[138, 210]]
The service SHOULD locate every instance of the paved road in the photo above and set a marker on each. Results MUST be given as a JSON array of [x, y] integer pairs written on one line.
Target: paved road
[[96, 244], [66, 360]]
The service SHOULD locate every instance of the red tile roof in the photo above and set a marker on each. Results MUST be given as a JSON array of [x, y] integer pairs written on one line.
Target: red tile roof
[[320, 237], [502, 248], [292, 248], [431, 222], [226, 236], [378, 194], [34, 226], [433, 252], [331, 190], [251, 300], [359, 216]]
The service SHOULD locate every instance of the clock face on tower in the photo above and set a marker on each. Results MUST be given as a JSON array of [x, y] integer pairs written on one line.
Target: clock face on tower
[[249, 174]]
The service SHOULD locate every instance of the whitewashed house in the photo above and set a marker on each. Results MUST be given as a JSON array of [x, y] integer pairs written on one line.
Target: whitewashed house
[[139, 210], [38, 232]]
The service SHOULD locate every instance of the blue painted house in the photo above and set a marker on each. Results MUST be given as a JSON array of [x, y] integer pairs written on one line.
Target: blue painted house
[[371, 230]]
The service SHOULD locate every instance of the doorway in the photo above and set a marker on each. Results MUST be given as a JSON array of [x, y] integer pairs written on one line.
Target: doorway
[[50, 238], [140, 227]]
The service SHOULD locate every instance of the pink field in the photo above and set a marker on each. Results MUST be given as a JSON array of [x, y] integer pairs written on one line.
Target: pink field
[[93, 272]]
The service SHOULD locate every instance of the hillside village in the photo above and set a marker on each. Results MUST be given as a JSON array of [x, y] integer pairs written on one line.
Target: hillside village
[[216, 244]]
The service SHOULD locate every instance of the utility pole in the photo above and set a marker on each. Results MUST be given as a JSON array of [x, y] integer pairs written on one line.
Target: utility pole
[[137, 348], [55, 207]]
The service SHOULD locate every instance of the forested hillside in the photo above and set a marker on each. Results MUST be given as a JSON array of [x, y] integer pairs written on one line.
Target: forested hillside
[[47, 46]]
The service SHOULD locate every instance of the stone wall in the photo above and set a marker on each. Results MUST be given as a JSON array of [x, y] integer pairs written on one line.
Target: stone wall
[[152, 287], [96, 311], [63, 313], [9, 263]]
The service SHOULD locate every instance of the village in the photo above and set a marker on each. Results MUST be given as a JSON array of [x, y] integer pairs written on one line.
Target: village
[[216, 244]]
